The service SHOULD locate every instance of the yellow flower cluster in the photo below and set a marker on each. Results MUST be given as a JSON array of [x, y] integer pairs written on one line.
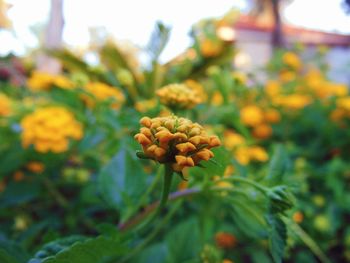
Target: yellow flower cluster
[[178, 96], [198, 88], [316, 83], [292, 60], [342, 109], [5, 105], [292, 101], [259, 120], [103, 92], [40, 81], [175, 140], [251, 115], [243, 153], [145, 105], [210, 48], [50, 129]]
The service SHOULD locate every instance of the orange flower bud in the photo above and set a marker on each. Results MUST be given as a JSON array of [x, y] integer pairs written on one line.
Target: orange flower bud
[[164, 136], [146, 131], [185, 147], [214, 141], [142, 139], [146, 121], [176, 147], [205, 154], [159, 152]]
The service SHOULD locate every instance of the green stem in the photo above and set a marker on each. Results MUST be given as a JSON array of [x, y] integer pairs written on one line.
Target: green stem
[[145, 195], [153, 234], [61, 200], [307, 240], [150, 208], [168, 176], [259, 187]]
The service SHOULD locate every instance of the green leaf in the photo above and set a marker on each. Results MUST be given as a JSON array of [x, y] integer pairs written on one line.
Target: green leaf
[[56, 246], [153, 254], [6, 258], [183, 241], [278, 165], [10, 252], [277, 237], [247, 217], [12, 159], [93, 250], [122, 181], [280, 199], [158, 40]]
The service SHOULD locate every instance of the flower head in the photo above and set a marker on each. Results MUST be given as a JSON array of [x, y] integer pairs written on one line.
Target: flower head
[[40, 81], [251, 115], [175, 140], [292, 60], [102, 92], [5, 105], [50, 129], [178, 96], [225, 240]]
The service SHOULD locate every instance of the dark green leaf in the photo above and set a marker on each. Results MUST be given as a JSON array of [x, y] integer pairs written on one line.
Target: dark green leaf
[[93, 250], [277, 237]]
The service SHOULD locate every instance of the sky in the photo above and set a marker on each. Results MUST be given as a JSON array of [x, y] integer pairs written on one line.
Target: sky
[[134, 20]]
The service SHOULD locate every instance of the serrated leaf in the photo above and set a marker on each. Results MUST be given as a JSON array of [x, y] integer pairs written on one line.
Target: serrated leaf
[[94, 250], [153, 254], [10, 252], [54, 247], [183, 241], [278, 165], [122, 181], [277, 237]]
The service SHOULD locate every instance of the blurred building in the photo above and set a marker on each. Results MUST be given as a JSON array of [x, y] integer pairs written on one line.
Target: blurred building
[[253, 40]]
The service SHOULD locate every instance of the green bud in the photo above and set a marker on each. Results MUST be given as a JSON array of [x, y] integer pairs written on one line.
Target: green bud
[[280, 199]]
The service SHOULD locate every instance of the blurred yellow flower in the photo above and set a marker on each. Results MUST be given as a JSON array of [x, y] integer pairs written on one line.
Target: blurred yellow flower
[[225, 240], [240, 77], [258, 153], [287, 76], [292, 60], [145, 105], [337, 115], [314, 78], [49, 129], [232, 139], [241, 154], [251, 115], [40, 81], [343, 103], [103, 92], [293, 101], [217, 98], [5, 105], [210, 48], [197, 87], [298, 217], [272, 116], [35, 167], [18, 176], [262, 131], [272, 88], [21, 223], [178, 96]]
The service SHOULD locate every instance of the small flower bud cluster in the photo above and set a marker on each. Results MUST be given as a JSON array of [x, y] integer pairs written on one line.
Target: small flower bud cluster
[[175, 140], [178, 96]]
